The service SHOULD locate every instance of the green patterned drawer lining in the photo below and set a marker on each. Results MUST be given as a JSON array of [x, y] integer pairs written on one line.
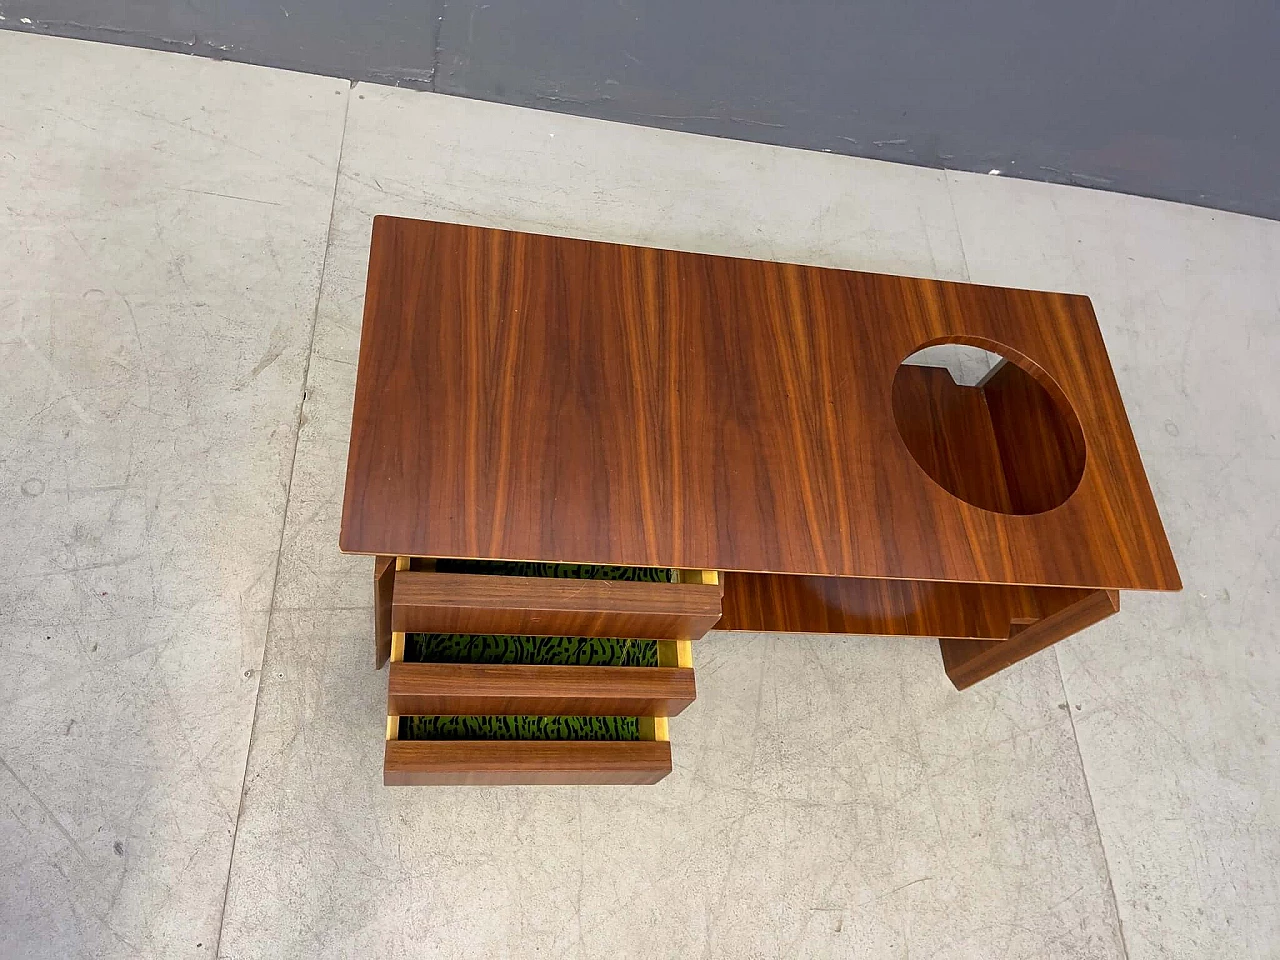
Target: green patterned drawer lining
[[561, 651], [564, 651], [571, 571], [519, 728]]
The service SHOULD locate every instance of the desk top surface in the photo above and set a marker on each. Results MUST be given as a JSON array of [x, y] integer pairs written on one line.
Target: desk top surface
[[540, 398]]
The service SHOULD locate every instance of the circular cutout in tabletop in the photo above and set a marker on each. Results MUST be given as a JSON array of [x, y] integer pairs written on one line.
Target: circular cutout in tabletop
[[987, 430]]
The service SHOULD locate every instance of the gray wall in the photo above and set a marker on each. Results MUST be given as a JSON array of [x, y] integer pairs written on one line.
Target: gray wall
[[1165, 98]]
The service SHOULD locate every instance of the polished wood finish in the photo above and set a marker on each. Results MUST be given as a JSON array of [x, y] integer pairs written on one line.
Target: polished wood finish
[[384, 573], [1006, 445], [437, 762], [525, 397], [968, 661], [397, 634], [540, 398], [1042, 450], [947, 428], [428, 689], [426, 602], [895, 608]]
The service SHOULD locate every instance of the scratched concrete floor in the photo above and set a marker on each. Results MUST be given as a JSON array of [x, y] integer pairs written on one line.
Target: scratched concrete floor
[[191, 732]]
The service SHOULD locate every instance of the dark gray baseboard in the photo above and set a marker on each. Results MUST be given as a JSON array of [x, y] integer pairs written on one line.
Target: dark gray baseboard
[[1178, 100]]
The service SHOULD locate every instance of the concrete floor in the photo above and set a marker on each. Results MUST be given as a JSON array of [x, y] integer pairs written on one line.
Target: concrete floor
[[191, 731]]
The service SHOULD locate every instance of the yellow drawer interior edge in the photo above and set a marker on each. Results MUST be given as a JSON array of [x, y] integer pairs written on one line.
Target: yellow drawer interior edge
[[671, 653]]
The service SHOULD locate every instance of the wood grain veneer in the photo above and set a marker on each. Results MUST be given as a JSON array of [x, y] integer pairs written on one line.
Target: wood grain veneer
[[948, 430], [437, 762], [1043, 452], [892, 608], [968, 661], [426, 602], [541, 398], [384, 572], [449, 689]]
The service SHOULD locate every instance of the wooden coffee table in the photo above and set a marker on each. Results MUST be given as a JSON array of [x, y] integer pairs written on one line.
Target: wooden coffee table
[[749, 425]]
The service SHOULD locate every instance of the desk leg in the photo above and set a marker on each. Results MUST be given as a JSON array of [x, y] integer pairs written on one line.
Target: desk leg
[[968, 661], [384, 578]]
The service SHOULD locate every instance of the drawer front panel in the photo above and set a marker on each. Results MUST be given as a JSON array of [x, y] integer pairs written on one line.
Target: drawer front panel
[[428, 602], [423, 689], [445, 762]]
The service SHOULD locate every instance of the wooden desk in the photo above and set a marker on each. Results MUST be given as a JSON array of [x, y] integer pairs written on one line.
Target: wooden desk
[[524, 397]]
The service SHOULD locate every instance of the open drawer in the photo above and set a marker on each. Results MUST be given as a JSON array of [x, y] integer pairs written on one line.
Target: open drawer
[[546, 679], [445, 762], [429, 602], [480, 597], [478, 736], [520, 689]]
